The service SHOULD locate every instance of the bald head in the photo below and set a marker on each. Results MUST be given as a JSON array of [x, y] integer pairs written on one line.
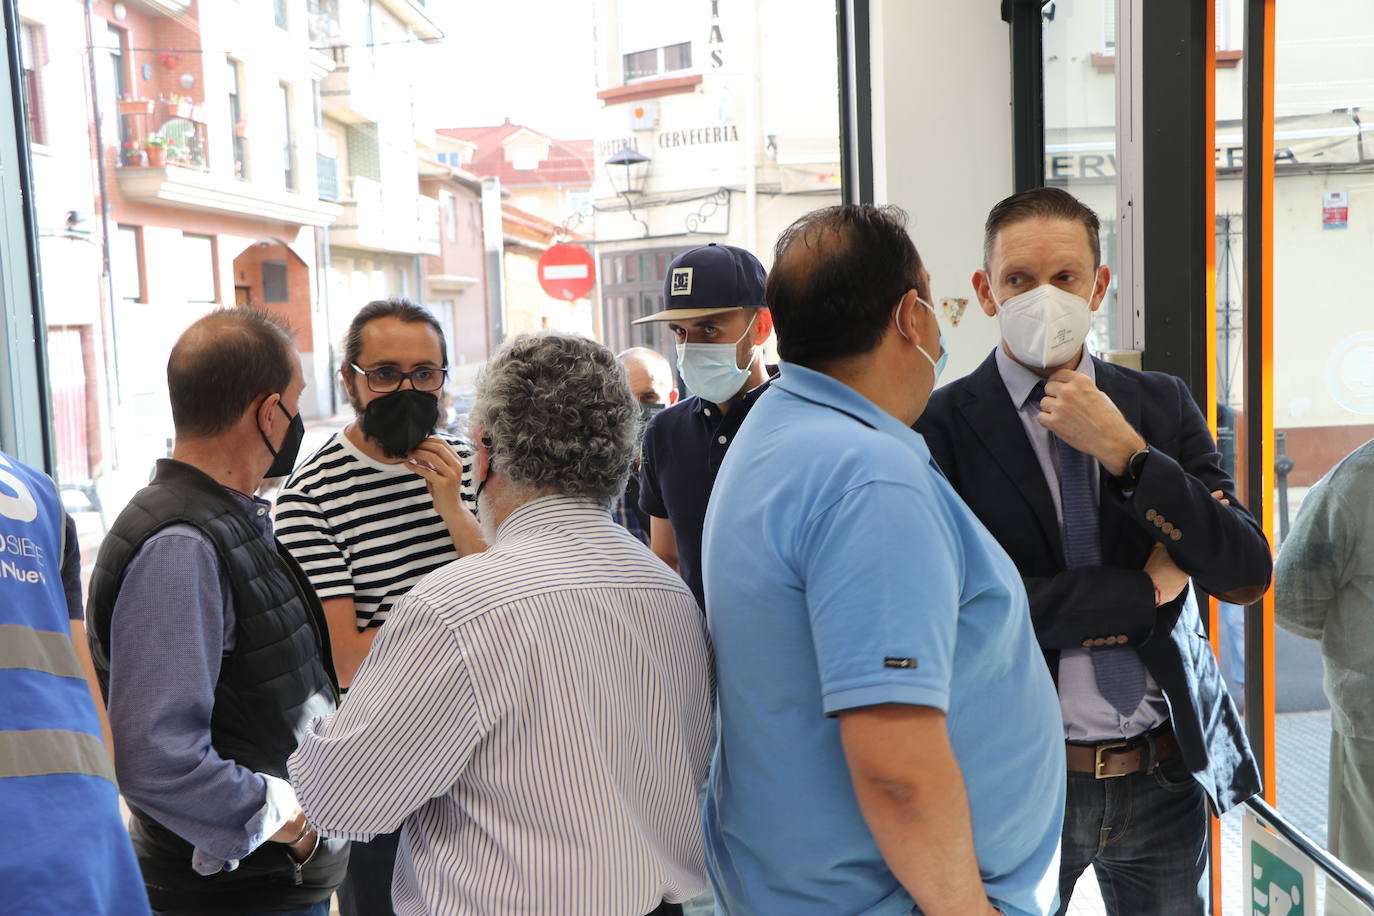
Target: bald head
[[838, 275], [224, 362], [650, 375]]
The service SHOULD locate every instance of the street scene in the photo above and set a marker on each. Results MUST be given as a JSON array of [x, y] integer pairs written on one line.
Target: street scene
[[536, 165]]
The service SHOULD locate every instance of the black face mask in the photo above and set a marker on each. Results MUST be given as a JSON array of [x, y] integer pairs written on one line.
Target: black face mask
[[284, 458], [400, 421], [647, 411]]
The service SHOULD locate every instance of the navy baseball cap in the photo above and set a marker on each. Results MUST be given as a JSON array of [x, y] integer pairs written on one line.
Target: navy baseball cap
[[710, 280]]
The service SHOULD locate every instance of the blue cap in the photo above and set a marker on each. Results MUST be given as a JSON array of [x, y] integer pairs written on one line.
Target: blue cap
[[710, 280]]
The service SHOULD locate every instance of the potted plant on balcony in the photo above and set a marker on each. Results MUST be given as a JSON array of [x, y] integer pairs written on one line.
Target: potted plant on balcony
[[130, 105], [156, 148], [181, 106], [130, 154], [241, 129]]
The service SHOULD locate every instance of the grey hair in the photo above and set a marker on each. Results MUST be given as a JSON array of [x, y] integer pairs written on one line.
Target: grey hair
[[557, 415]]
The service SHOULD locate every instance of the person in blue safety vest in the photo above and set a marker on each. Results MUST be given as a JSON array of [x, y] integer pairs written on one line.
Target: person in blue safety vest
[[64, 849]]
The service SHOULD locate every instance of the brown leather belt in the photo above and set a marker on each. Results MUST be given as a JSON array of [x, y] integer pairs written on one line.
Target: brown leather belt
[[1122, 758]]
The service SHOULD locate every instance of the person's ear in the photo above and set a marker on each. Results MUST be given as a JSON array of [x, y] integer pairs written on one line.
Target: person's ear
[[763, 326], [347, 376], [982, 288], [672, 397], [265, 410], [1104, 280], [482, 444], [905, 316]]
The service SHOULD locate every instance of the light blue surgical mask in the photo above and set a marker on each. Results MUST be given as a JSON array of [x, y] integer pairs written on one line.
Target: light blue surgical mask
[[937, 364], [711, 371]]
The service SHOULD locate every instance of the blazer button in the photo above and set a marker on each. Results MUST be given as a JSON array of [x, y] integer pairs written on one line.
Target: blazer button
[[1159, 521], [1176, 535], [1121, 640], [1150, 515], [1111, 640], [1087, 643], [1167, 527], [1099, 641]]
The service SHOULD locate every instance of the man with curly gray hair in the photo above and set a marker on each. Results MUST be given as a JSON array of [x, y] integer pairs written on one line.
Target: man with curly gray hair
[[535, 718]]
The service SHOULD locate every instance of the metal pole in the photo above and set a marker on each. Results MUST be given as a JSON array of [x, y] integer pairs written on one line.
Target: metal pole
[[107, 339], [493, 240], [1027, 91], [31, 417], [856, 101], [1283, 466]]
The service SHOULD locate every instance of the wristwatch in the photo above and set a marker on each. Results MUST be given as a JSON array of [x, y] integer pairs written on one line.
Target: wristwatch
[[1135, 466]]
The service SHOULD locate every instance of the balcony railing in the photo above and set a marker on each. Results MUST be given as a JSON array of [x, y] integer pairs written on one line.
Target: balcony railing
[[349, 92]]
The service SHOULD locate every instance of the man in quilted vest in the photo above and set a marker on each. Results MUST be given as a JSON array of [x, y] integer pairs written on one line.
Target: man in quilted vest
[[209, 644]]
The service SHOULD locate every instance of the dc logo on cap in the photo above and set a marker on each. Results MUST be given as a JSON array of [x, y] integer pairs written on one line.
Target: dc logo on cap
[[682, 281]]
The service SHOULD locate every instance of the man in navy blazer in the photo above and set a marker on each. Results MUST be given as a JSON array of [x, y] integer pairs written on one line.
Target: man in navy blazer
[[1106, 488]]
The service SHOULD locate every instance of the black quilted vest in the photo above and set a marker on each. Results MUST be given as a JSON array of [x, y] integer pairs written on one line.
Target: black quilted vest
[[278, 677]]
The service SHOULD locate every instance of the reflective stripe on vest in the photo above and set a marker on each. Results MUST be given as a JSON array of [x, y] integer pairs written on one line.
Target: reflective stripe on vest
[[46, 752], [38, 650]]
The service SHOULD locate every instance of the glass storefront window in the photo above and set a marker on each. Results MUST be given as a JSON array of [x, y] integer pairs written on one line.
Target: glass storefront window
[[215, 187], [1079, 58], [1323, 377]]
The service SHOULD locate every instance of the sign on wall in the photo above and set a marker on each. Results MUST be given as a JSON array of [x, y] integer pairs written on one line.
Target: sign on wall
[[1335, 209]]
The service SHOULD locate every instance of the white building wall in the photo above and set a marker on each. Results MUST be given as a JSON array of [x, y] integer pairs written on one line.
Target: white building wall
[[1324, 341], [750, 148], [942, 144]]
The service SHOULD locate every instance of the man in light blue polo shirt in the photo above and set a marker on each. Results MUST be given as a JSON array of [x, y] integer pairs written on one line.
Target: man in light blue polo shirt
[[889, 738]]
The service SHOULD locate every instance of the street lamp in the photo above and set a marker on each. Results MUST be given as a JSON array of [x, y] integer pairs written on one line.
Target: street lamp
[[627, 170]]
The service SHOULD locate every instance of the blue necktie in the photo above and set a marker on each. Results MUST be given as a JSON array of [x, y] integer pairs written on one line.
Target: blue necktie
[[1120, 673]]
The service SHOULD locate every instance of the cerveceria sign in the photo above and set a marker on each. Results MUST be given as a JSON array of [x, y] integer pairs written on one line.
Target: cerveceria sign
[[671, 139], [727, 133]]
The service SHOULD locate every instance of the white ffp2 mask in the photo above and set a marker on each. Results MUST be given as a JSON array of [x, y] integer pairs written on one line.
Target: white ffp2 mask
[[1045, 326]]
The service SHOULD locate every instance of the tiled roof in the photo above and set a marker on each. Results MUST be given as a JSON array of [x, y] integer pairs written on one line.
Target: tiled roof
[[513, 220], [570, 162]]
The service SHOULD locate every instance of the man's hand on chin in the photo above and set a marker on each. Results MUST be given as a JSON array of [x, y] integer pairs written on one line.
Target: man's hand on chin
[[1077, 411]]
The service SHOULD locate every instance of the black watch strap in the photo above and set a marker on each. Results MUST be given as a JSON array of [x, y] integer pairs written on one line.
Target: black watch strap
[[1135, 466]]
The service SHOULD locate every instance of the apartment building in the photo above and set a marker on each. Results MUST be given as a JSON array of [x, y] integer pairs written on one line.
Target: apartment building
[[178, 147], [711, 129]]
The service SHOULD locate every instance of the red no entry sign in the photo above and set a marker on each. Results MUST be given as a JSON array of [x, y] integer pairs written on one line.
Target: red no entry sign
[[567, 272]]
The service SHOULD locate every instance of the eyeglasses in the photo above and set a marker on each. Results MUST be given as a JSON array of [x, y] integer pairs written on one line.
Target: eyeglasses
[[383, 381]]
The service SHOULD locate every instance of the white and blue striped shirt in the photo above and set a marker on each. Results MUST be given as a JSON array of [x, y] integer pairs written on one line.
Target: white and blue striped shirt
[[537, 720]]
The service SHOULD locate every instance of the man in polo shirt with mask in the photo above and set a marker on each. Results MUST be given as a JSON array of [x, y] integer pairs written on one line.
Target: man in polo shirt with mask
[[382, 503], [715, 309]]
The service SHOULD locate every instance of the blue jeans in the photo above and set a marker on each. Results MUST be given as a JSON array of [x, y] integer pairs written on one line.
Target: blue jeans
[[310, 909], [1145, 836]]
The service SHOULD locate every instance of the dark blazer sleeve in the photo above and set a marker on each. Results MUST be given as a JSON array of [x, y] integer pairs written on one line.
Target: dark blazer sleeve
[[1075, 605], [1068, 605], [1220, 546]]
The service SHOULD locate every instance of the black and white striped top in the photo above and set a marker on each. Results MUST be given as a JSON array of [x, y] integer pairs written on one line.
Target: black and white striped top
[[538, 717], [363, 529]]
